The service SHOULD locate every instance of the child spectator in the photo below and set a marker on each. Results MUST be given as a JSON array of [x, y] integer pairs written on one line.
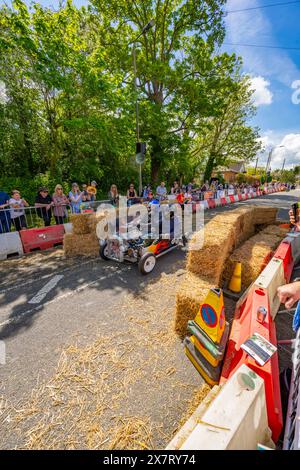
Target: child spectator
[[60, 202], [43, 202], [17, 212], [92, 190]]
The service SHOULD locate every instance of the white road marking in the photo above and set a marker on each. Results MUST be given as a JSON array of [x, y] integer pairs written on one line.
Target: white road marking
[[17, 317], [46, 289], [45, 276]]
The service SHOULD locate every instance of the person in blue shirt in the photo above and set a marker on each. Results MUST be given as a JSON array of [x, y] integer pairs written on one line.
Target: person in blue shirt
[[5, 220]]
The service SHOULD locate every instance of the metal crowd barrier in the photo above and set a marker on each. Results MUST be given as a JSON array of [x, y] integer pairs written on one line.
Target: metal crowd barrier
[[33, 217]]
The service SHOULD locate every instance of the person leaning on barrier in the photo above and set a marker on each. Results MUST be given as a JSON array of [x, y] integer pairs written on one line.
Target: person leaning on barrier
[[60, 202], [17, 212], [5, 221], [113, 194], [44, 203], [75, 198], [161, 191]]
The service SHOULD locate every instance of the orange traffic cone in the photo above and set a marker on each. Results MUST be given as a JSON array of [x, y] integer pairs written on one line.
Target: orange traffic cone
[[235, 284]]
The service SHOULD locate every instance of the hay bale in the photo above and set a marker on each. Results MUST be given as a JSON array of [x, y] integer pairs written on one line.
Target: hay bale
[[277, 230], [81, 245], [80, 223], [254, 254], [189, 296], [93, 221], [265, 215]]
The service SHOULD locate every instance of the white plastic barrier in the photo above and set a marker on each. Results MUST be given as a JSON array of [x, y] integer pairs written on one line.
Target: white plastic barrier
[[10, 244], [68, 227], [270, 279], [218, 202], [236, 419], [191, 423], [236, 198]]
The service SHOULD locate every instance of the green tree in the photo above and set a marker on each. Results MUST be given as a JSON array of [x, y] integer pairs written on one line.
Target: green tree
[[174, 64], [227, 137]]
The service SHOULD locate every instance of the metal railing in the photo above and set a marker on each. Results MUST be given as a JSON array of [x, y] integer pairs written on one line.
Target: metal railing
[[15, 219]]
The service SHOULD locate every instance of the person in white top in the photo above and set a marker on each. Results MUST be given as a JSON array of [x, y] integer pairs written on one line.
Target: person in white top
[[17, 212]]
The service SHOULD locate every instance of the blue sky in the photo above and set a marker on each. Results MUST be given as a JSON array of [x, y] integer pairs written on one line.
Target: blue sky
[[273, 71]]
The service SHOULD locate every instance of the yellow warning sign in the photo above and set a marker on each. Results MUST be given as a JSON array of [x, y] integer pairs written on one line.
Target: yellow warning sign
[[211, 316]]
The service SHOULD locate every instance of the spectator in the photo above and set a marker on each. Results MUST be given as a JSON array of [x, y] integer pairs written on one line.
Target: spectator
[[188, 195], [85, 192], [147, 193], [180, 196], [161, 191], [175, 188], [204, 187], [5, 221], [86, 204], [92, 190], [60, 202], [113, 194], [17, 212], [75, 198], [44, 204], [131, 192]]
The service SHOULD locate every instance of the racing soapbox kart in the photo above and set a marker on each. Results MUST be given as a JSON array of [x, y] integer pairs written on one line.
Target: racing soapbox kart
[[134, 248]]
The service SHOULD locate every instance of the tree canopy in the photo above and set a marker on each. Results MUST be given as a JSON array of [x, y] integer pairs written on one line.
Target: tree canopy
[[67, 103]]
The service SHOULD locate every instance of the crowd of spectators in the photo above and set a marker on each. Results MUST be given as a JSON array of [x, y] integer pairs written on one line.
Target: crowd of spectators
[[13, 214]]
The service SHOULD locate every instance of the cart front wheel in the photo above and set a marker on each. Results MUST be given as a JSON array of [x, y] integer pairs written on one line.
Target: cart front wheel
[[103, 252], [147, 263]]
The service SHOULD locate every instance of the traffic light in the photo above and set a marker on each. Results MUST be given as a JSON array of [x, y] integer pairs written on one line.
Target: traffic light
[[140, 152]]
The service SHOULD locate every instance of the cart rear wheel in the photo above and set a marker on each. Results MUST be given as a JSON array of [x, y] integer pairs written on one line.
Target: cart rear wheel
[[147, 263], [103, 252]]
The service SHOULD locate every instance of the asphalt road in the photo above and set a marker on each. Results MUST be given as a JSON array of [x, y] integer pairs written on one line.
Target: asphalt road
[[47, 301]]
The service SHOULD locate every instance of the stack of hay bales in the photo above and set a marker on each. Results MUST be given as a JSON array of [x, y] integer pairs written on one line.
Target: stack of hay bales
[[83, 241], [205, 266], [254, 255]]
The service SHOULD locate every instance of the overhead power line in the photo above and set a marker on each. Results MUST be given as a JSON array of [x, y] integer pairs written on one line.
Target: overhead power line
[[271, 5], [262, 46]]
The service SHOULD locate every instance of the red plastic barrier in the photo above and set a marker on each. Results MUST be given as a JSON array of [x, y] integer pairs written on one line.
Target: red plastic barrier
[[246, 323], [231, 198], [42, 238], [240, 197], [211, 203], [284, 252], [223, 201]]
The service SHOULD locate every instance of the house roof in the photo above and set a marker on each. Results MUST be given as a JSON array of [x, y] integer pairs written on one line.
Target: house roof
[[238, 167]]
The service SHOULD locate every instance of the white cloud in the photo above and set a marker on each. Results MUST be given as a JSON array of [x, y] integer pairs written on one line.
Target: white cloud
[[286, 146], [296, 94], [262, 95], [254, 27]]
